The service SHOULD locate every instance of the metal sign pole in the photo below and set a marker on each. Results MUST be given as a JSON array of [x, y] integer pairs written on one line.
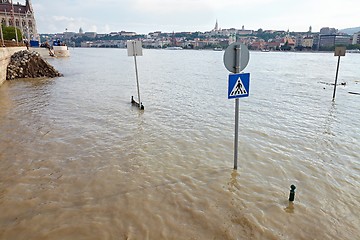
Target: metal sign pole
[[236, 140], [137, 75], [339, 52], [236, 58], [237, 107], [336, 77]]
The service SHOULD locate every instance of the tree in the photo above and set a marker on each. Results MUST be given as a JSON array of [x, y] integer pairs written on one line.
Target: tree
[[9, 33], [265, 35], [353, 46], [286, 46]]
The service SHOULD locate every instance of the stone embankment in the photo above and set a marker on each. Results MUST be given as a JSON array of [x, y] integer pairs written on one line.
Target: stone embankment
[[26, 64]]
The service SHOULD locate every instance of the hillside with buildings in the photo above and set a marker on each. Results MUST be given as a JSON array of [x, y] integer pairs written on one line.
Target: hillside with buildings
[[260, 39], [22, 17]]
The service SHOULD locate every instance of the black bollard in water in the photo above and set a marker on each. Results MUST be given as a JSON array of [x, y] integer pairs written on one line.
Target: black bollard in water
[[292, 193]]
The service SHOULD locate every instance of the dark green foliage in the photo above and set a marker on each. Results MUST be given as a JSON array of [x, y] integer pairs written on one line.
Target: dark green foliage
[[353, 46], [285, 47], [265, 35], [9, 33]]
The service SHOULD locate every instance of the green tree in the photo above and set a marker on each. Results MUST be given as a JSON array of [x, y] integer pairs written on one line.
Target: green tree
[[353, 46], [9, 33], [286, 46], [265, 35]]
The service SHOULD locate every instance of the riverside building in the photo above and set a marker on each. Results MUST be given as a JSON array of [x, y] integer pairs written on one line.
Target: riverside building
[[20, 16]]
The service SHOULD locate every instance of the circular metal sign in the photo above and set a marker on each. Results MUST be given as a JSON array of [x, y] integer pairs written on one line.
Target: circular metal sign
[[230, 57]]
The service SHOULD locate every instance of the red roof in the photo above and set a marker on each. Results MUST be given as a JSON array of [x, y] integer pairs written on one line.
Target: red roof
[[257, 44], [273, 44], [289, 40]]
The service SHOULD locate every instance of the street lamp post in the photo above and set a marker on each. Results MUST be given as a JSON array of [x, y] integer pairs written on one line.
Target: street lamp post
[[20, 23], [13, 21], [2, 36]]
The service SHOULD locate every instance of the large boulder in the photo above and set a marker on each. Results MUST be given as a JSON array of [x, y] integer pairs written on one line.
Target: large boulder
[[26, 64]]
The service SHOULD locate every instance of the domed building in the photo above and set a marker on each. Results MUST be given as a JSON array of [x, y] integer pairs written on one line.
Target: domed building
[[20, 16]]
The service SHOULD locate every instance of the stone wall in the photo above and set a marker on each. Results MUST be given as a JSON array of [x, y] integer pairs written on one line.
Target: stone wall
[[5, 55]]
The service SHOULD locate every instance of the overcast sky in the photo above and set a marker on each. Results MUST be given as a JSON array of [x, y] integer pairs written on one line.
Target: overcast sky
[[144, 16]]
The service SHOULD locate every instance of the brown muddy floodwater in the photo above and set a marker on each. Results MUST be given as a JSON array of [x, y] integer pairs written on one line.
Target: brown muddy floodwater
[[77, 161]]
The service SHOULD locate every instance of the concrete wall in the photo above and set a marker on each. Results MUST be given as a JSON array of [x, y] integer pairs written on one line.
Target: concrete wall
[[5, 55]]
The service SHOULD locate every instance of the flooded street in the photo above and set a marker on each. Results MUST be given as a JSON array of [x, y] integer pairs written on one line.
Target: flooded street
[[77, 161]]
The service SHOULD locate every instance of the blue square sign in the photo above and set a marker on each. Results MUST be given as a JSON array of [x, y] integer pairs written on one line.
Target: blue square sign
[[239, 85]]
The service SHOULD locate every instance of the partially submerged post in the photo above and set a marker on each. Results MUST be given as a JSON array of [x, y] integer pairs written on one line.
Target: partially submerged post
[[339, 52], [236, 58], [133, 102], [292, 193], [134, 49]]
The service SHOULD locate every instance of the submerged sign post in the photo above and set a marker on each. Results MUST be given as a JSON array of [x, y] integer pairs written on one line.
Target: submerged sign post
[[339, 52], [236, 58], [134, 48]]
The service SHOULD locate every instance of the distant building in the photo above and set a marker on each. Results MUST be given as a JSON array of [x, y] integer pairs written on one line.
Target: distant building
[[86, 44], [327, 40], [316, 39], [342, 40], [356, 38], [128, 34], [308, 42], [155, 34], [69, 35], [59, 36], [101, 35], [287, 42], [20, 16], [112, 34], [273, 45], [200, 43], [332, 40], [227, 32], [298, 41], [245, 32], [328, 31], [90, 34], [258, 45], [232, 39]]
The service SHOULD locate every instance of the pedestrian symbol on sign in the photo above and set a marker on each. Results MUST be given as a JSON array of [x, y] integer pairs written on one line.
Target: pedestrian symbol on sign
[[239, 85], [238, 89]]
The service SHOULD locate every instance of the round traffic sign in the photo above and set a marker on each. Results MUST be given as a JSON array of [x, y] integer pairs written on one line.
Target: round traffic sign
[[231, 54]]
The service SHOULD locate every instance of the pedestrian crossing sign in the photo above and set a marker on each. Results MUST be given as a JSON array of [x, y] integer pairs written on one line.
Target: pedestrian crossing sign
[[238, 85]]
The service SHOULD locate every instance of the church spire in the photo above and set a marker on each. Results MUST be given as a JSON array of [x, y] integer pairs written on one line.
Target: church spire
[[216, 26], [29, 6]]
